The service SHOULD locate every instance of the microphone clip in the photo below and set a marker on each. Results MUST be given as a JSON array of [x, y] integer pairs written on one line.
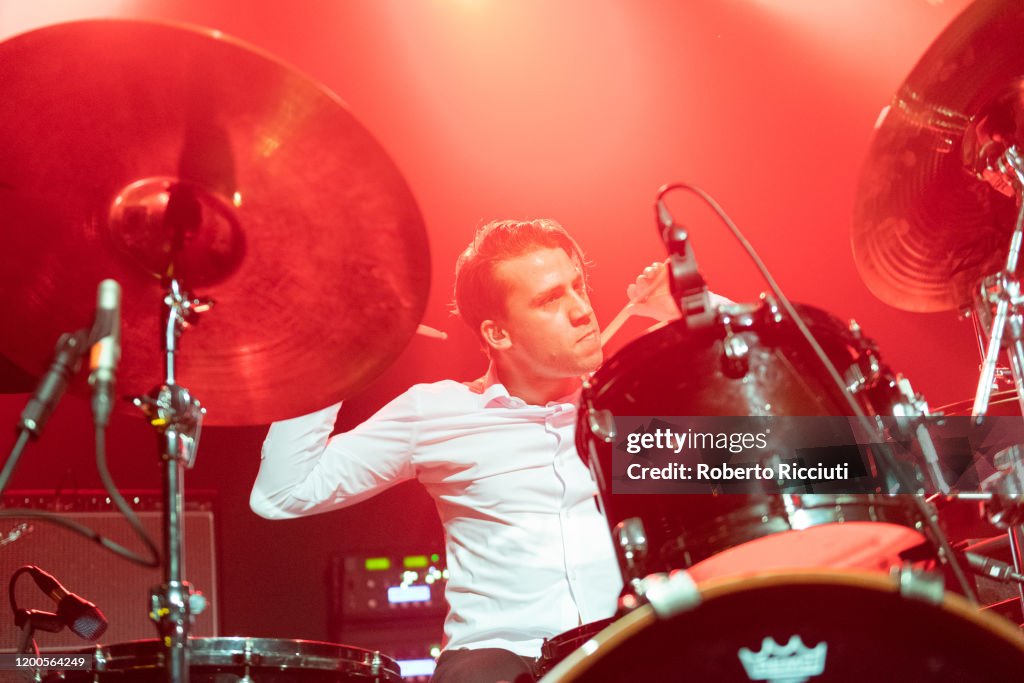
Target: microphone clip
[[38, 620], [689, 290]]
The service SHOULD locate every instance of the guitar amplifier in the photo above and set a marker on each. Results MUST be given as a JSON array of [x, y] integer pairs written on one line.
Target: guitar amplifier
[[118, 587]]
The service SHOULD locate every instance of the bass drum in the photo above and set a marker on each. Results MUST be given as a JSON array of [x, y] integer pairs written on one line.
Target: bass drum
[[246, 660], [750, 361], [820, 628]]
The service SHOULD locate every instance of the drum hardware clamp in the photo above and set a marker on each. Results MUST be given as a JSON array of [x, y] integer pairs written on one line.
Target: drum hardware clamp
[[672, 593]]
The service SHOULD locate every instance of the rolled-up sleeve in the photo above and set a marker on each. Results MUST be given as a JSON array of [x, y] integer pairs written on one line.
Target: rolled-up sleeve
[[304, 470]]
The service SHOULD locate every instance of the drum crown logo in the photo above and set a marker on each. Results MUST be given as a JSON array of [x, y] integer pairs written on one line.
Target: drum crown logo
[[792, 663]]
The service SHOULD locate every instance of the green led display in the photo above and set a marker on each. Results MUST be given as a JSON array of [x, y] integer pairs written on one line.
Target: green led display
[[377, 564], [415, 561]]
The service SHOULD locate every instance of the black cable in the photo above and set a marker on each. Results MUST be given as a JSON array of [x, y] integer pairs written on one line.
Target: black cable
[[119, 501], [68, 523], [108, 483], [880, 447]]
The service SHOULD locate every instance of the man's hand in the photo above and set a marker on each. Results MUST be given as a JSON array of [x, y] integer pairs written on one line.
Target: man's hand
[[650, 295]]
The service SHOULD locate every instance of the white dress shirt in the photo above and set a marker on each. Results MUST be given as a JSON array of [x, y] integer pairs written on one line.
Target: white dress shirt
[[529, 554]]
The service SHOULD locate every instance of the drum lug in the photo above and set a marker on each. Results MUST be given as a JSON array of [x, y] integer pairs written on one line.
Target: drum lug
[[918, 585], [736, 358], [863, 374], [772, 308], [1004, 506], [738, 316], [854, 327], [602, 424], [375, 665], [912, 404], [735, 351], [247, 661], [631, 539]]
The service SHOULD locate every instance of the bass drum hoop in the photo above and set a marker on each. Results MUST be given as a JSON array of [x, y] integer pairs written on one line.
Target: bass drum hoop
[[555, 649], [583, 660]]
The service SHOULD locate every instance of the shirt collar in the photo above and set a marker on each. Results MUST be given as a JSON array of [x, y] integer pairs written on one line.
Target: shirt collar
[[496, 395]]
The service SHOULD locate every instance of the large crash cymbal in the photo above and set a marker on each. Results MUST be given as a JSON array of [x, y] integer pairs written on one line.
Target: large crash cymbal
[[926, 227], [134, 150]]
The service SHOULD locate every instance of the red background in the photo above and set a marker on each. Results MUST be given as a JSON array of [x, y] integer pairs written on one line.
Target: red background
[[574, 110]]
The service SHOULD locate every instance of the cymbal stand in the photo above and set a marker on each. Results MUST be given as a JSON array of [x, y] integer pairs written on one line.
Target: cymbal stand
[[1004, 291], [177, 418]]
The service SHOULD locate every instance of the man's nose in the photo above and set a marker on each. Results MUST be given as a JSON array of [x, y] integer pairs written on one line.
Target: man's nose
[[582, 311]]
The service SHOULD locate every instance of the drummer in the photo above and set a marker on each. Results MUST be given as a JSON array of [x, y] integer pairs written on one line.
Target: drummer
[[529, 553]]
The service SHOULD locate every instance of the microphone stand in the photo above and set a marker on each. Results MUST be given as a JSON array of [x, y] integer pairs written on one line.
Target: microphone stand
[[66, 361], [177, 418]]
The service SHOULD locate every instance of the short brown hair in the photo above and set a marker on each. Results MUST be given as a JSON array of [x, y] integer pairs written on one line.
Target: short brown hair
[[479, 295]]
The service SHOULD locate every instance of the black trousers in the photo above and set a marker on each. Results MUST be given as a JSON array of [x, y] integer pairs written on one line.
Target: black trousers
[[486, 665]]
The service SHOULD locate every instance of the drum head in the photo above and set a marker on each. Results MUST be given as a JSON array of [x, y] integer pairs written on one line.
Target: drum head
[[812, 627]]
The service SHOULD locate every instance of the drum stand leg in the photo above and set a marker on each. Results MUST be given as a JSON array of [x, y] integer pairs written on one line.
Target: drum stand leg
[[1003, 290], [1016, 534], [178, 418]]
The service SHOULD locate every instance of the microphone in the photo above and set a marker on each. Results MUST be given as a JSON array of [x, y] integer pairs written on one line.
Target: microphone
[[992, 568], [81, 616], [686, 283], [106, 349], [665, 221], [67, 359]]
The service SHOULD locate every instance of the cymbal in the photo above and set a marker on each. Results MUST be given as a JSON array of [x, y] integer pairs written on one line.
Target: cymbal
[[14, 380], [138, 151], [927, 227]]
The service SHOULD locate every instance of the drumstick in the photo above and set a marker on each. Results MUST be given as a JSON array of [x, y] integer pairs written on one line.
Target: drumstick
[[427, 331], [643, 290], [618, 321]]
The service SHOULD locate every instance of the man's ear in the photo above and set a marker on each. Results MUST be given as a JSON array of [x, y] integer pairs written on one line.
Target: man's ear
[[495, 336]]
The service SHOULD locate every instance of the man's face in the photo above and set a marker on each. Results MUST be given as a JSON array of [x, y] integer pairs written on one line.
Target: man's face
[[549, 325]]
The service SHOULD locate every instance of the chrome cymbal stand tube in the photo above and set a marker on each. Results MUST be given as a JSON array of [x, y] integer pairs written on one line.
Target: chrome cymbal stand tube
[[1003, 290], [177, 418]]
